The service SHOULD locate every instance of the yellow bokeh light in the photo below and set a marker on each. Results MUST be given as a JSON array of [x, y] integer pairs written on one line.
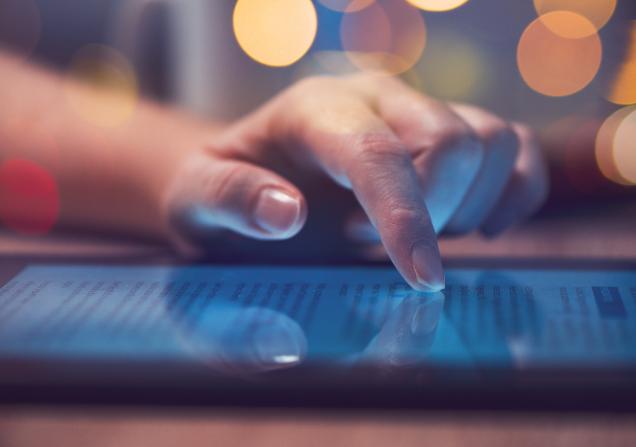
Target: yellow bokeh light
[[275, 32], [346, 5], [625, 147], [437, 5], [387, 37], [554, 65], [102, 86], [623, 87], [455, 68], [605, 145], [598, 12]]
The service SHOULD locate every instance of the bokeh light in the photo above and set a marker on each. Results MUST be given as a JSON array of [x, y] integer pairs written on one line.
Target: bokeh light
[[598, 12], [437, 5], [455, 68], [387, 36], [554, 65], [20, 26], [605, 145], [623, 88], [275, 32], [102, 87], [625, 147], [29, 197], [346, 5]]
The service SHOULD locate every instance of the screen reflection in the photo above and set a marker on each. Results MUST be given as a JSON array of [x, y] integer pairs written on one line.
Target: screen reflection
[[236, 335], [240, 321]]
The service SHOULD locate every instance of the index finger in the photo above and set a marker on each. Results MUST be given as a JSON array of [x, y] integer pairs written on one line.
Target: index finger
[[362, 152]]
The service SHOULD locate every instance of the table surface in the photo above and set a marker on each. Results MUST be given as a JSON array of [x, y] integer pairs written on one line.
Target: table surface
[[610, 234]]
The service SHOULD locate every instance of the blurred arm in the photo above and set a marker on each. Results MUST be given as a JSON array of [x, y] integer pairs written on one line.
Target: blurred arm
[[108, 177]]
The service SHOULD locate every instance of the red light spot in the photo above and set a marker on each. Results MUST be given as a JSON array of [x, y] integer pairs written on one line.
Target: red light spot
[[29, 197]]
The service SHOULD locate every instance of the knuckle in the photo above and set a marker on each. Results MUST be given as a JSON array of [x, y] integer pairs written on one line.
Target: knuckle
[[402, 214], [383, 81], [373, 150], [378, 146], [217, 189], [401, 217], [311, 84], [374, 84]]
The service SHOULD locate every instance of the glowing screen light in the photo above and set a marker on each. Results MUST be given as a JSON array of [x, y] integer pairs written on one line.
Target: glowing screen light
[[437, 5], [598, 12], [110, 92], [29, 197], [387, 36], [275, 32], [553, 64]]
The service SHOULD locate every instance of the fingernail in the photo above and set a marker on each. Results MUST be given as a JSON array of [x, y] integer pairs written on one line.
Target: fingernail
[[277, 347], [427, 264], [426, 317], [277, 211]]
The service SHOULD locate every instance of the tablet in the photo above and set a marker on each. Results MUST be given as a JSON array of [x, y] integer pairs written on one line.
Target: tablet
[[499, 336]]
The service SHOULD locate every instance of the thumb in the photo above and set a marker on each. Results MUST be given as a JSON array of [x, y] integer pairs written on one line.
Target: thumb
[[210, 194]]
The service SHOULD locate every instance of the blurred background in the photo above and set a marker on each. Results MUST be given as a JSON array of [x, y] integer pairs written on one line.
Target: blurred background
[[566, 67]]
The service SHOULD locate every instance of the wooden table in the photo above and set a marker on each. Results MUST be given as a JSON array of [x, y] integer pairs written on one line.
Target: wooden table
[[602, 234]]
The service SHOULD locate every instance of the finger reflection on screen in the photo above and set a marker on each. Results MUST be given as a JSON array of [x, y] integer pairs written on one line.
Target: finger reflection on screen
[[408, 332], [231, 339]]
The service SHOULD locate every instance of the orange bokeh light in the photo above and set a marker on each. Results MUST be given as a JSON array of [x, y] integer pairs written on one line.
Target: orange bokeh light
[[109, 93], [437, 5], [624, 152], [346, 5], [275, 32], [554, 65], [605, 145], [623, 87], [598, 12], [387, 36], [29, 197]]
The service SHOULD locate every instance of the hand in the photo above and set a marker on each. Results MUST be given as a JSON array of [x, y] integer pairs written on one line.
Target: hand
[[416, 166]]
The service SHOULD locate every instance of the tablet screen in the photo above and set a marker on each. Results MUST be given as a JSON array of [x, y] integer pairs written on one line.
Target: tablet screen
[[262, 318]]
